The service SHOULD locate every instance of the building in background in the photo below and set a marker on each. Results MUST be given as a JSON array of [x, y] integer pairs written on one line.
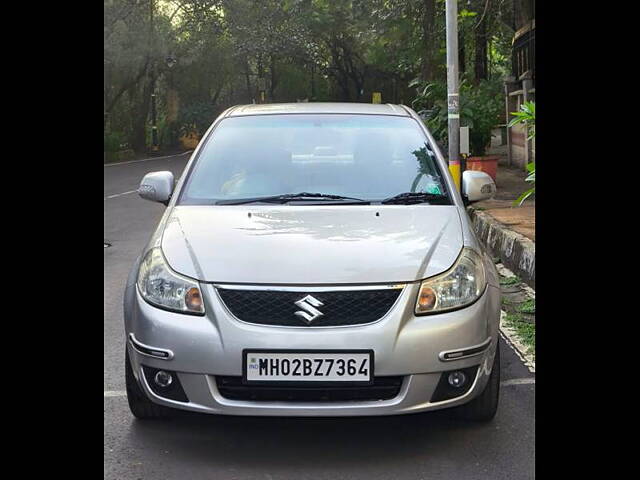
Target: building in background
[[520, 86]]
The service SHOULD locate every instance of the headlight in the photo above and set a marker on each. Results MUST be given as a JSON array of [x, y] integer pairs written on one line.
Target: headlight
[[160, 286], [459, 286]]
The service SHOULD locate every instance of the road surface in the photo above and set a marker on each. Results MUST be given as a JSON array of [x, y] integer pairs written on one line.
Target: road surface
[[421, 446]]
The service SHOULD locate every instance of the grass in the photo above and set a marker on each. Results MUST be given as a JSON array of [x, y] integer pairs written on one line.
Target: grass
[[528, 307], [509, 281], [526, 331]]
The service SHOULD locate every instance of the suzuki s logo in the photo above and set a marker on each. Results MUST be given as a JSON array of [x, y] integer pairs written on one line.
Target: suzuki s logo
[[486, 188], [308, 304]]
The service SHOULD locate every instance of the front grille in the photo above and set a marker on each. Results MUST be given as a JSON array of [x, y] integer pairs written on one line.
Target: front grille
[[338, 307], [383, 388]]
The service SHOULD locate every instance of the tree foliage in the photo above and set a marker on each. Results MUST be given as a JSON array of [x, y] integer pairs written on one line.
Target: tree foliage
[[526, 116], [201, 56]]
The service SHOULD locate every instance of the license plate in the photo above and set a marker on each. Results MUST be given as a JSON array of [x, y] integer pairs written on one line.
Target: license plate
[[304, 366]]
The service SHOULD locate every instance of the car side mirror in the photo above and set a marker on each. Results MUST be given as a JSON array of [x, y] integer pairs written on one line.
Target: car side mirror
[[477, 186], [157, 187]]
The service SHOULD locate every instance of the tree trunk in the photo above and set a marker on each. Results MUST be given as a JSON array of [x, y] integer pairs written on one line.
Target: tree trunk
[[127, 86], [354, 74], [274, 80], [248, 80], [139, 134], [346, 94], [358, 82], [261, 81], [139, 123], [480, 36], [428, 40], [339, 70]]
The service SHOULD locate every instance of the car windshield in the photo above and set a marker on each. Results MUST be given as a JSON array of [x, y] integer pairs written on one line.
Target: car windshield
[[369, 157]]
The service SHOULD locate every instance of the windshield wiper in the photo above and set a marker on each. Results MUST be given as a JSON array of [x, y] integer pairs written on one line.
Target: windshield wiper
[[287, 197], [408, 198]]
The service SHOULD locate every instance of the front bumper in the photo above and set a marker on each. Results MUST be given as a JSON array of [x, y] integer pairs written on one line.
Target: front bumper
[[202, 347]]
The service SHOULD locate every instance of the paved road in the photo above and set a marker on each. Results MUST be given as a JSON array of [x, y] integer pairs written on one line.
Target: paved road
[[423, 446]]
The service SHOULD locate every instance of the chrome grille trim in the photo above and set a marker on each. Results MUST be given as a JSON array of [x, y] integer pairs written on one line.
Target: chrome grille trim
[[303, 289]]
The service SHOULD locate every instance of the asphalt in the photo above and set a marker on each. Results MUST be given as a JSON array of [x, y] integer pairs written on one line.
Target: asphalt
[[420, 446]]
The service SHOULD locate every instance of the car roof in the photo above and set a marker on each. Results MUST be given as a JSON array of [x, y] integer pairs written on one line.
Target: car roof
[[318, 107]]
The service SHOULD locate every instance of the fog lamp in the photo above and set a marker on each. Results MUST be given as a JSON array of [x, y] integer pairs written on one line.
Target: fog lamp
[[163, 379], [457, 379]]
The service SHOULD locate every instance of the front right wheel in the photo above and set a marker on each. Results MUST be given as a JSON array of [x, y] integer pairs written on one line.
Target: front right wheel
[[484, 407]]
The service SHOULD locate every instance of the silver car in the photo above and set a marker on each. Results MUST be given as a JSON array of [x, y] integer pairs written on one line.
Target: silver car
[[314, 259]]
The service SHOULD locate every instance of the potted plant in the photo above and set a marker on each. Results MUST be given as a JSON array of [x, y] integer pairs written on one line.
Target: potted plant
[[480, 109]]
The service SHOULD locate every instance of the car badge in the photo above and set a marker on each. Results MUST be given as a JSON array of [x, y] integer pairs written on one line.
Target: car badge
[[309, 304]]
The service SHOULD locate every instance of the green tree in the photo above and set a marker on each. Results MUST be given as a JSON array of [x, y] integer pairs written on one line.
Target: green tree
[[202, 56]]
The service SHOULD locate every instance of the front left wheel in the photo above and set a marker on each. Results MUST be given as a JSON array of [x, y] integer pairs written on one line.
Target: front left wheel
[[484, 407], [139, 404]]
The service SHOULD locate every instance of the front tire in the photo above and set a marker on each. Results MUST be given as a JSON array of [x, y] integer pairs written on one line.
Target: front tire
[[141, 407], [484, 407]]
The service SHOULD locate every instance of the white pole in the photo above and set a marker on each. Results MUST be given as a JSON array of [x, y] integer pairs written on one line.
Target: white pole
[[453, 97]]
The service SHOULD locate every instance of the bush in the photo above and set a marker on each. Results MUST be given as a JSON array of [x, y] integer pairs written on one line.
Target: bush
[[114, 142], [196, 117], [480, 110], [527, 116], [169, 134]]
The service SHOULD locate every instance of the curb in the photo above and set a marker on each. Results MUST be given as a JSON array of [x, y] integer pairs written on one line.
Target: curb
[[511, 338], [113, 164], [514, 250], [509, 335]]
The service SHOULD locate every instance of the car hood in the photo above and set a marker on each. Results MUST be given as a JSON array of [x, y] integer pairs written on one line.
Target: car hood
[[289, 244]]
